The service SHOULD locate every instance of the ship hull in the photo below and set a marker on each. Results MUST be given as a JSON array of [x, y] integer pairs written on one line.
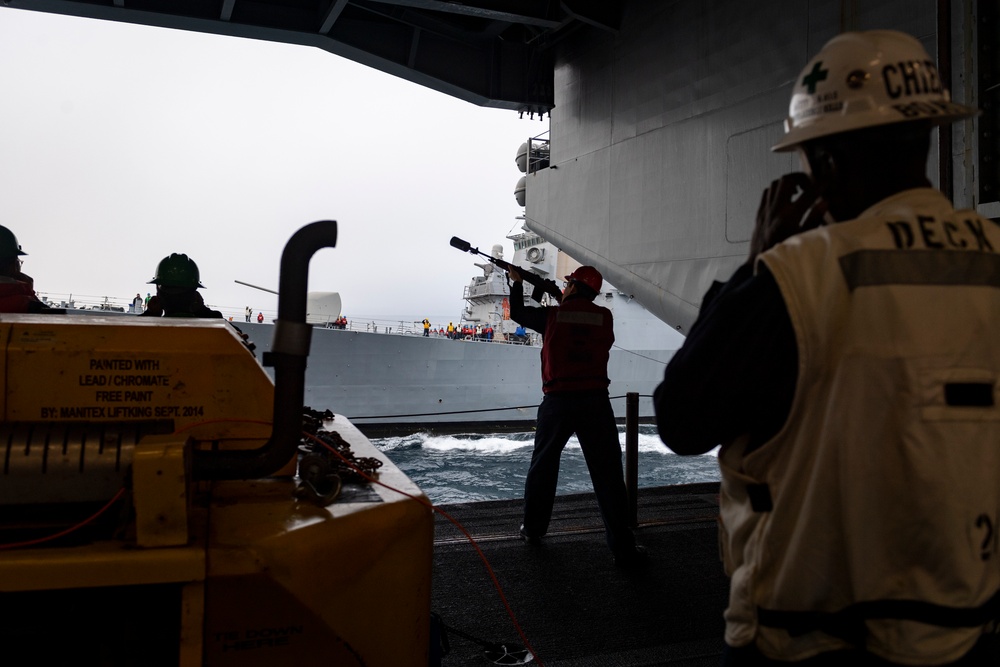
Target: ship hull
[[398, 383]]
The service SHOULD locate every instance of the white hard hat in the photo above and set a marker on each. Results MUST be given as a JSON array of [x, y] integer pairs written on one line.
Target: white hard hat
[[865, 79]]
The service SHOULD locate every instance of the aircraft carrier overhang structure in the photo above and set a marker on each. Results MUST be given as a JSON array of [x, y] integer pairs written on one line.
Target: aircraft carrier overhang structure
[[493, 53], [662, 111]]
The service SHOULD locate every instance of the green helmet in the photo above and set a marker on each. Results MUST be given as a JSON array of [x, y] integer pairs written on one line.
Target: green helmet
[[177, 270], [9, 247]]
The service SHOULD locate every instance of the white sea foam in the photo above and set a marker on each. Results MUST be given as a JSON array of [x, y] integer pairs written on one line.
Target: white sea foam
[[503, 443], [490, 444], [471, 467]]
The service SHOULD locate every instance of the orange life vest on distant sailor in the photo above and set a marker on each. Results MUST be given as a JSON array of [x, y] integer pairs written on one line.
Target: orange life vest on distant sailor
[[578, 339]]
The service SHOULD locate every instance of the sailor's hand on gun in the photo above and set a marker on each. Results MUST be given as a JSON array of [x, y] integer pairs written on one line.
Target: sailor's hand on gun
[[782, 214], [514, 276]]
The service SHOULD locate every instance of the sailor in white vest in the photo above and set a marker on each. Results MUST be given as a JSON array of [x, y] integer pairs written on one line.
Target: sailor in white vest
[[850, 372]]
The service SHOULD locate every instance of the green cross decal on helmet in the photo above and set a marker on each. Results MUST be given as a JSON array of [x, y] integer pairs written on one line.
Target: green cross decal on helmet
[[815, 76]]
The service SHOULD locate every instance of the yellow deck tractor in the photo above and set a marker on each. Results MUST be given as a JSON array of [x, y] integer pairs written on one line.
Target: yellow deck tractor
[[150, 510]]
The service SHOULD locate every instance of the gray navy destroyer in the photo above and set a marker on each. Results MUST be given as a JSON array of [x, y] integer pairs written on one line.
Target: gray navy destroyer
[[403, 381]]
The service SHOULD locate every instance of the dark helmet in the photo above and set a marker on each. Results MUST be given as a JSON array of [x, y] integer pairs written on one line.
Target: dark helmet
[[9, 247], [177, 270], [589, 276]]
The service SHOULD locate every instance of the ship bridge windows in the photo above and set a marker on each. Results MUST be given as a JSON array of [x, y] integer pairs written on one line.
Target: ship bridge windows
[[527, 243]]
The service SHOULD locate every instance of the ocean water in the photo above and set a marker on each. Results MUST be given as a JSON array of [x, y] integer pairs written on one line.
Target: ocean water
[[472, 467]]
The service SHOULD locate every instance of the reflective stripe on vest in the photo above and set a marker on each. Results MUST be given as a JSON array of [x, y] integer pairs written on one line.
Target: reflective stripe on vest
[[578, 339]]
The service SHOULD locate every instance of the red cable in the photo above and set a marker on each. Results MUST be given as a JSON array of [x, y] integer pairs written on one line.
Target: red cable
[[121, 491], [67, 531], [461, 528], [472, 541]]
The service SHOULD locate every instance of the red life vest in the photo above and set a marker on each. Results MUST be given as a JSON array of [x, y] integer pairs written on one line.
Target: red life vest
[[578, 339], [15, 295]]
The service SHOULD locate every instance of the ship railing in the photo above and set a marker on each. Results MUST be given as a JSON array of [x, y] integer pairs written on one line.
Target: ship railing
[[89, 302], [529, 338], [99, 304], [538, 154], [398, 327], [115, 305]]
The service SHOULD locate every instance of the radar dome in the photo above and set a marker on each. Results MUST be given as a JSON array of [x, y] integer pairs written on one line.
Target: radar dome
[[322, 307], [522, 157]]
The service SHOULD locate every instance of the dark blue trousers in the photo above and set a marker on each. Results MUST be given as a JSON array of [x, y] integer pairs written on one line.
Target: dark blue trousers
[[588, 414]]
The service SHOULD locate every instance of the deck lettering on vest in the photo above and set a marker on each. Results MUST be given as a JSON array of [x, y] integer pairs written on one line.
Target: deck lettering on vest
[[975, 225], [934, 234], [928, 232], [902, 235]]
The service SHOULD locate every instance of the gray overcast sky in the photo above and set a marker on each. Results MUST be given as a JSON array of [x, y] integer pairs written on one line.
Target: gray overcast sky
[[120, 144]]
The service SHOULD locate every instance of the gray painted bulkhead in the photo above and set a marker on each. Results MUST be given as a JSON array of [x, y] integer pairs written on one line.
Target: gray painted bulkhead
[[660, 134]]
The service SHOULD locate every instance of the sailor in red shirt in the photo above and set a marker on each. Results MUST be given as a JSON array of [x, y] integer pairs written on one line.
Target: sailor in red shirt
[[577, 336]]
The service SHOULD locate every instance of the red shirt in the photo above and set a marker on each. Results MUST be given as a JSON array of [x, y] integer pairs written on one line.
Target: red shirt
[[16, 294]]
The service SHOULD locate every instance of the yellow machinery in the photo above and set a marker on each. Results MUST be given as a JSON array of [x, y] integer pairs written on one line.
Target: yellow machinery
[[207, 557]]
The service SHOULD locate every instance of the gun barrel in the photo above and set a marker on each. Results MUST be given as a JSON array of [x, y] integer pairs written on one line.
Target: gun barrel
[[460, 244]]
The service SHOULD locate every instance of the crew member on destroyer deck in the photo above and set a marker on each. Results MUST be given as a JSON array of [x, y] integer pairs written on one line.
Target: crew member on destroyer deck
[[577, 337], [850, 372]]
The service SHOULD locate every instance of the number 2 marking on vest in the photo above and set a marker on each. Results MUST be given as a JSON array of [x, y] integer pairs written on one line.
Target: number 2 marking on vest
[[984, 521]]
